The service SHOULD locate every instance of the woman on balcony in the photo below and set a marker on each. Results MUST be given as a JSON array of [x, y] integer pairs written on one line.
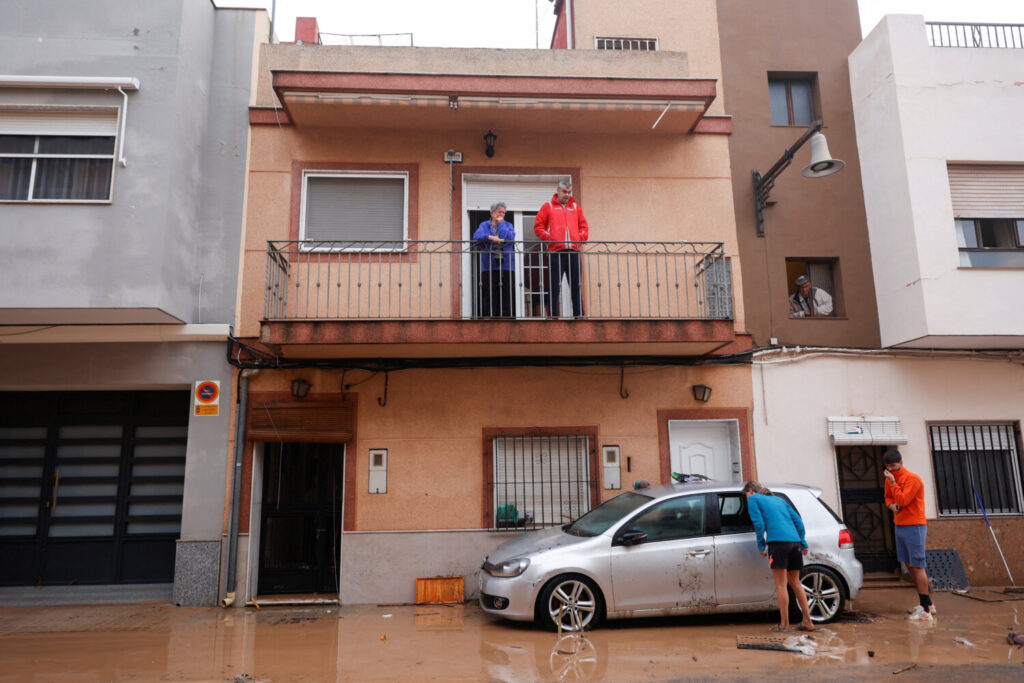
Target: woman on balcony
[[495, 246]]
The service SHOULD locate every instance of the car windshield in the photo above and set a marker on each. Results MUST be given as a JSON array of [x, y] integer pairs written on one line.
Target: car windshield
[[607, 513]]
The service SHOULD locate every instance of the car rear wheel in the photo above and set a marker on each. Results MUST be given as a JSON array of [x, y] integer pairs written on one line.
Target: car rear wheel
[[572, 601], [825, 595]]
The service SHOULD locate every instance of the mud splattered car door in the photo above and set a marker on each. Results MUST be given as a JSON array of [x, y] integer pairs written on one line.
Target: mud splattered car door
[[664, 559], [742, 576]]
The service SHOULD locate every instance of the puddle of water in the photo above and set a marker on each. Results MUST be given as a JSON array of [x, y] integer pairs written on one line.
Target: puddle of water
[[316, 643]]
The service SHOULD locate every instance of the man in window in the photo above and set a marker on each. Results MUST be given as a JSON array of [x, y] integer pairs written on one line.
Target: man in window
[[808, 300], [562, 225]]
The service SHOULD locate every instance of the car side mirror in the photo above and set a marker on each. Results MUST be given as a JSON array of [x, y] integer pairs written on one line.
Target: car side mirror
[[632, 537]]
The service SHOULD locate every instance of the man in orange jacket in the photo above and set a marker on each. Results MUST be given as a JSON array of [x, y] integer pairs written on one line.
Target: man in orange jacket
[[904, 495], [562, 225]]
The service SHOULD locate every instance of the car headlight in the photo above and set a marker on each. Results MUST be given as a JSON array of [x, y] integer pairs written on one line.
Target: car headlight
[[507, 568]]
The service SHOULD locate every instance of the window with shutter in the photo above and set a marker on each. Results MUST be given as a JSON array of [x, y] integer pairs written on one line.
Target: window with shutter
[[988, 214], [346, 211], [57, 156]]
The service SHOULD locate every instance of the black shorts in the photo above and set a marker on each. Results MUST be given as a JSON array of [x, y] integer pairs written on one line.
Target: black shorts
[[785, 555]]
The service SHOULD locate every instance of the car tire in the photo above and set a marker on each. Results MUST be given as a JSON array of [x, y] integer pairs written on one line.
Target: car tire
[[572, 599], [826, 595]]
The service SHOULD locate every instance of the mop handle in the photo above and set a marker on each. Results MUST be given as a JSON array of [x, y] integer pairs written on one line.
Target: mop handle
[[993, 532]]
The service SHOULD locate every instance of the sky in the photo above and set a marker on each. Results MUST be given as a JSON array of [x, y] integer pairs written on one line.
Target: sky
[[528, 23]]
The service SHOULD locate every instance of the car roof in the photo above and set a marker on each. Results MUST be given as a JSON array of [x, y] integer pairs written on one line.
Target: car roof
[[711, 486]]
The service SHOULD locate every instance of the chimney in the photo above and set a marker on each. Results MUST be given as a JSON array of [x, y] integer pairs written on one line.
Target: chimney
[[306, 31]]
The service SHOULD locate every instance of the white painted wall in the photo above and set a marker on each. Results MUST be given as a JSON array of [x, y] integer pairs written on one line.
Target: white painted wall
[[916, 108], [792, 401]]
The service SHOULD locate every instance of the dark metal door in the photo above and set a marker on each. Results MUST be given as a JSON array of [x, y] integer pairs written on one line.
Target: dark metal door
[[862, 494], [91, 486], [300, 523]]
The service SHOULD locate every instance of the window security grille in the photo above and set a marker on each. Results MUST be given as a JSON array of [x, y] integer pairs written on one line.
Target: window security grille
[[982, 458], [632, 44], [539, 481]]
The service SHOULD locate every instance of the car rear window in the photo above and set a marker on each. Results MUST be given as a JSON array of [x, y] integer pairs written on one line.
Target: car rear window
[[830, 510]]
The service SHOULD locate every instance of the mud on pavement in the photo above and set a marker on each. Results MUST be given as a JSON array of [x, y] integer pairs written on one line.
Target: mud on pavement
[[160, 642]]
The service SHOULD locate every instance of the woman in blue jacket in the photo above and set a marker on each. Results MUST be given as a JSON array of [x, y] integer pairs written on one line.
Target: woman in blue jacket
[[778, 526], [495, 243]]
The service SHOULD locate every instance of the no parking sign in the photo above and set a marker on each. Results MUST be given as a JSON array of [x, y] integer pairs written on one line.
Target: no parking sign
[[207, 397]]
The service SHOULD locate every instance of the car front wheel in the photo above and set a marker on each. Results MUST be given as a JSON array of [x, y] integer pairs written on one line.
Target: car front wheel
[[825, 595], [570, 603]]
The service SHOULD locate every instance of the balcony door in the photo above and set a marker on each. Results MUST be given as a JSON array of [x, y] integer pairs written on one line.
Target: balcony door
[[523, 197]]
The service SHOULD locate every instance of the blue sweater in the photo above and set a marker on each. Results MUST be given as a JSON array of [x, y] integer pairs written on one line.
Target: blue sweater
[[775, 518]]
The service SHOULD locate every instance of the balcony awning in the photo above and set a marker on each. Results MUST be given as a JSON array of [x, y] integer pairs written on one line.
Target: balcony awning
[[878, 431], [527, 103]]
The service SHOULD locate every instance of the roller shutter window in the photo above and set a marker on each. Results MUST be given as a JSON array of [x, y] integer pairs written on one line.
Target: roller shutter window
[[348, 211], [57, 156], [987, 191]]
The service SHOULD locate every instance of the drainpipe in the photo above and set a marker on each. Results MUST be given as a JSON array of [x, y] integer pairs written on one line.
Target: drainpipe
[[236, 487], [569, 37]]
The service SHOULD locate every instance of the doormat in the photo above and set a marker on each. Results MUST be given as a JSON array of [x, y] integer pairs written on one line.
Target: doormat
[[946, 571]]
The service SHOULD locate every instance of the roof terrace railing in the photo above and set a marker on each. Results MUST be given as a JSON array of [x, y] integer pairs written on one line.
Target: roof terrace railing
[[944, 34], [445, 280]]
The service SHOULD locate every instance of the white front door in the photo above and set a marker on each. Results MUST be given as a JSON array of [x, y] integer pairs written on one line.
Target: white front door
[[708, 447]]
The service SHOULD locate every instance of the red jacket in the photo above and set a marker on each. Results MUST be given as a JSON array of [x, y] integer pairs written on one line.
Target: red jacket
[[561, 226]]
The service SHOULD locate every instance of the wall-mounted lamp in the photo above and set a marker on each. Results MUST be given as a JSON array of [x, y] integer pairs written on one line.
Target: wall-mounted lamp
[[300, 388], [822, 164], [489, 140], [702, 392]]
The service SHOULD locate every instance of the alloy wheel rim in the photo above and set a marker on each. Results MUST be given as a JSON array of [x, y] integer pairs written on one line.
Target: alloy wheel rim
[[823, 595], [572, 605]]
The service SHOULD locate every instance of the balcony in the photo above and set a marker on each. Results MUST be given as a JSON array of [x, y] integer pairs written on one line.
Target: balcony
[[427, 298]]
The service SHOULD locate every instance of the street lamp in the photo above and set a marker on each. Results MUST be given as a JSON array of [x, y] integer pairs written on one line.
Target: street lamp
[[822, 164]]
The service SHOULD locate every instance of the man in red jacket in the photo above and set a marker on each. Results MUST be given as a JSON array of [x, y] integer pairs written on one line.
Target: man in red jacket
[[562, 225]]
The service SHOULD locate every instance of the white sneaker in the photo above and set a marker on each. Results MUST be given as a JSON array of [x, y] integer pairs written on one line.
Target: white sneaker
[[920, 614]]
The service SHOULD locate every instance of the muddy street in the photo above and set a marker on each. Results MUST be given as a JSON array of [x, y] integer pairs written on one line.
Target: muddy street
[[160, 642]]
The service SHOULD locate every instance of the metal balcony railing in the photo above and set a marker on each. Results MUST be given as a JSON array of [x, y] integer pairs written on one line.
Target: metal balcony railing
[[943, 34], [442, 280]]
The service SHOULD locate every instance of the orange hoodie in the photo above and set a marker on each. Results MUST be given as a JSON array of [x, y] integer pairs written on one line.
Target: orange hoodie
[[908, 493]]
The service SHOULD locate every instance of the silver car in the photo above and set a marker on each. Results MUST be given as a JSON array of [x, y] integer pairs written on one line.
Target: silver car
[[667, 549]]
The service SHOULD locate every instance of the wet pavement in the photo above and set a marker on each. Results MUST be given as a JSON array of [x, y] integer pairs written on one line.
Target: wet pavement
[[160, 642]]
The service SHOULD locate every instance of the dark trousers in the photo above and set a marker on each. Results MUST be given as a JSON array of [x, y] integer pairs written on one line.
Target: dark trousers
[[568, 262], [495, 294]]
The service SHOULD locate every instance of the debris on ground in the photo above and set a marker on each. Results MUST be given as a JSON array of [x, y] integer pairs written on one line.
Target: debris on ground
[[243, 678], [763, 643], [1015, 639], [908, 667], [962, 641]]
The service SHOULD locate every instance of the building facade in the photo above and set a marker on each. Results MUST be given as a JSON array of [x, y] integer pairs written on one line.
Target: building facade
[[124, 134], [442, 426]]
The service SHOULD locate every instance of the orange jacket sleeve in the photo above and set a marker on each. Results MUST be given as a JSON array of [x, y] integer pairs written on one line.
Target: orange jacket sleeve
[[902, 495]]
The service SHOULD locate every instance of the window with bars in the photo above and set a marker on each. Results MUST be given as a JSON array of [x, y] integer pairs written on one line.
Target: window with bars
[[976, 465], [629, 44], [539, 480]]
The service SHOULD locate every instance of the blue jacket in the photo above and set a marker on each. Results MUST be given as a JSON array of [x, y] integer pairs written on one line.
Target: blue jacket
[[491, 257], [775, 518]]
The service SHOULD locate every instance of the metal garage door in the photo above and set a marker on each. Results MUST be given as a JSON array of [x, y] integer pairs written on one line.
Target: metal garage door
[[91, 486]]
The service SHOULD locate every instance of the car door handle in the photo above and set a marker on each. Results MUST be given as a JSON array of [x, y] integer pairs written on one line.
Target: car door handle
[[699, 552]]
